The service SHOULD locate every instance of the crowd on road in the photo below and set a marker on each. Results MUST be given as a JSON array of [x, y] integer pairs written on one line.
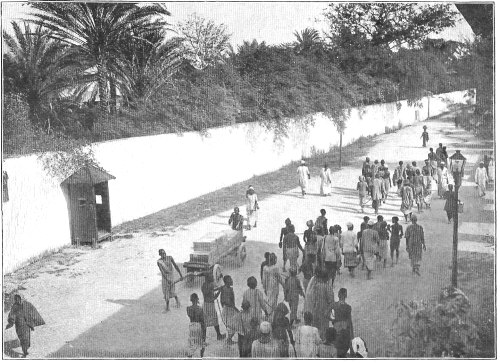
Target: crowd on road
[[267, 328]]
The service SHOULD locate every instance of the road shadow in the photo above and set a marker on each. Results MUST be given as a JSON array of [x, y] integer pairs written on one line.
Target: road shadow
[[140, 328]]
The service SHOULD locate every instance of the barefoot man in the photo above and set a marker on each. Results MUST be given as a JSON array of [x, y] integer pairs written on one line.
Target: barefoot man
[[166, 265]]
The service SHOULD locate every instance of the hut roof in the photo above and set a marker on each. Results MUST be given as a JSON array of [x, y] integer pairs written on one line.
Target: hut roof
[[89, 174]]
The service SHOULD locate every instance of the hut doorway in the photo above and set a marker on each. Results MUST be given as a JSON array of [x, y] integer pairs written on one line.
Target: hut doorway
[[87, 194]]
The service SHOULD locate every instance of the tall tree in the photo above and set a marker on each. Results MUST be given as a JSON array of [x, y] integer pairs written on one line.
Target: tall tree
[[204, 42], [95, 32], [34, 66], [387, 25]]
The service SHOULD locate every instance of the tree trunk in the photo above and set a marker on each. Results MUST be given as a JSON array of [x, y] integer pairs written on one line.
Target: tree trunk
[[340, 153], [103, 96], [112, 98]]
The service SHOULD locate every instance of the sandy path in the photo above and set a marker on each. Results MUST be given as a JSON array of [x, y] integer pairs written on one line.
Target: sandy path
[[109, 303]]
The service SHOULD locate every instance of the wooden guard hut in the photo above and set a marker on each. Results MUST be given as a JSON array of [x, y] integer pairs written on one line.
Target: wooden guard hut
[[87, 195]]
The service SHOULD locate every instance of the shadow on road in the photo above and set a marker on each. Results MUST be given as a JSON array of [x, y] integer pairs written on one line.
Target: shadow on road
[[8, 348]]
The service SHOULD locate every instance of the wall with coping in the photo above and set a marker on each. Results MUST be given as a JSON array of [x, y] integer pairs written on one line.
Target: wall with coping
[[156, 172]]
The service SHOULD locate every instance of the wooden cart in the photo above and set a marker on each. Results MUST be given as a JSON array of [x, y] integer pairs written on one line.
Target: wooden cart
[[211, 248]]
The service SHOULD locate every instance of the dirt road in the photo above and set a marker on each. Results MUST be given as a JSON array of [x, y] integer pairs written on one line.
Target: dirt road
[[108, 302]]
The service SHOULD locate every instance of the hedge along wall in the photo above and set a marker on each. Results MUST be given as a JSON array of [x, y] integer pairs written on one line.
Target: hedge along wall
[[156, 172]]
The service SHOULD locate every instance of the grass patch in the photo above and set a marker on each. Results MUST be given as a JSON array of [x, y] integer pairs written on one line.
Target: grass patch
[[226, 198]]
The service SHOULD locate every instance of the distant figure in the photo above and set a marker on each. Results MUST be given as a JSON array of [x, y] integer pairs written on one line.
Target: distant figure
[[375, 167], [265, 346], [396, 235], [342, 323], [307, 270], [369, 244], [445, 156], [415, 243], [197, 329], [307, 338], [450, 206], [331, 253], [252, 207], [267, 256], [362, 188], [425, 137], [439, 153], [304, 176], [481, 178], [166, 265], [236, 220], [427, 172], [326, 181], [383, 234], [23, 315]]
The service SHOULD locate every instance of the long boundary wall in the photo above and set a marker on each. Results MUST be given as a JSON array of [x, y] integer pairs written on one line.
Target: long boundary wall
[[156, 172]]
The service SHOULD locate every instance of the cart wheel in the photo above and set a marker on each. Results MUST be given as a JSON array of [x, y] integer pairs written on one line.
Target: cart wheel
[[218, 275], [242, 254]]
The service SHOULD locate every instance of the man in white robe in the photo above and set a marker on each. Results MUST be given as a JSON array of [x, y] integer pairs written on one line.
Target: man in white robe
[[481, 179], [304, 176]]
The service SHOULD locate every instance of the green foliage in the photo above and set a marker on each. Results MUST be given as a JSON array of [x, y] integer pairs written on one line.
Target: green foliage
[[386, 25], [435, 329], [203, 42]]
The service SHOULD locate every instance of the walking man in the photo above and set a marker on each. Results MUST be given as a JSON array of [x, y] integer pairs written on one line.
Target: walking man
[[369, 242], [166, 265], [415, 243], [284, 232], [397, 177], [481, 177], [386, 180], [304, 176], [24, 322], [362, 188], [377, 192], [366, 168], [291, 244], [433, 161]]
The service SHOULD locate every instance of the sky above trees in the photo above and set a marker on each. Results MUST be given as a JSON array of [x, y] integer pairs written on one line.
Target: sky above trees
[[271, 22]]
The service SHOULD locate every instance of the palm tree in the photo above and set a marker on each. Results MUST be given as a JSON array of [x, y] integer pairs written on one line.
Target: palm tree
[[149, 63], [95, 32], [35, 67], [307, 40]]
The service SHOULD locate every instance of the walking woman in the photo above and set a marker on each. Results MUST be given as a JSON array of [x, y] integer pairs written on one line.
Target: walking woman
[[418, 185], [23, 321], [197, 329], [319, 300], [256, 298], [272, 280], [326, 181], [230, 313], [311, 243], [252, 207], [350, 248], [406, 199], [443, 179], [342, 323]]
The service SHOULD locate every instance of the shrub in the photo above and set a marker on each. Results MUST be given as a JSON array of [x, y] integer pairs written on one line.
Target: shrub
[[435, 329]]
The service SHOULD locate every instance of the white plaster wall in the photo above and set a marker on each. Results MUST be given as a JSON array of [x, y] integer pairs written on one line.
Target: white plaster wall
[[156, 172]]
